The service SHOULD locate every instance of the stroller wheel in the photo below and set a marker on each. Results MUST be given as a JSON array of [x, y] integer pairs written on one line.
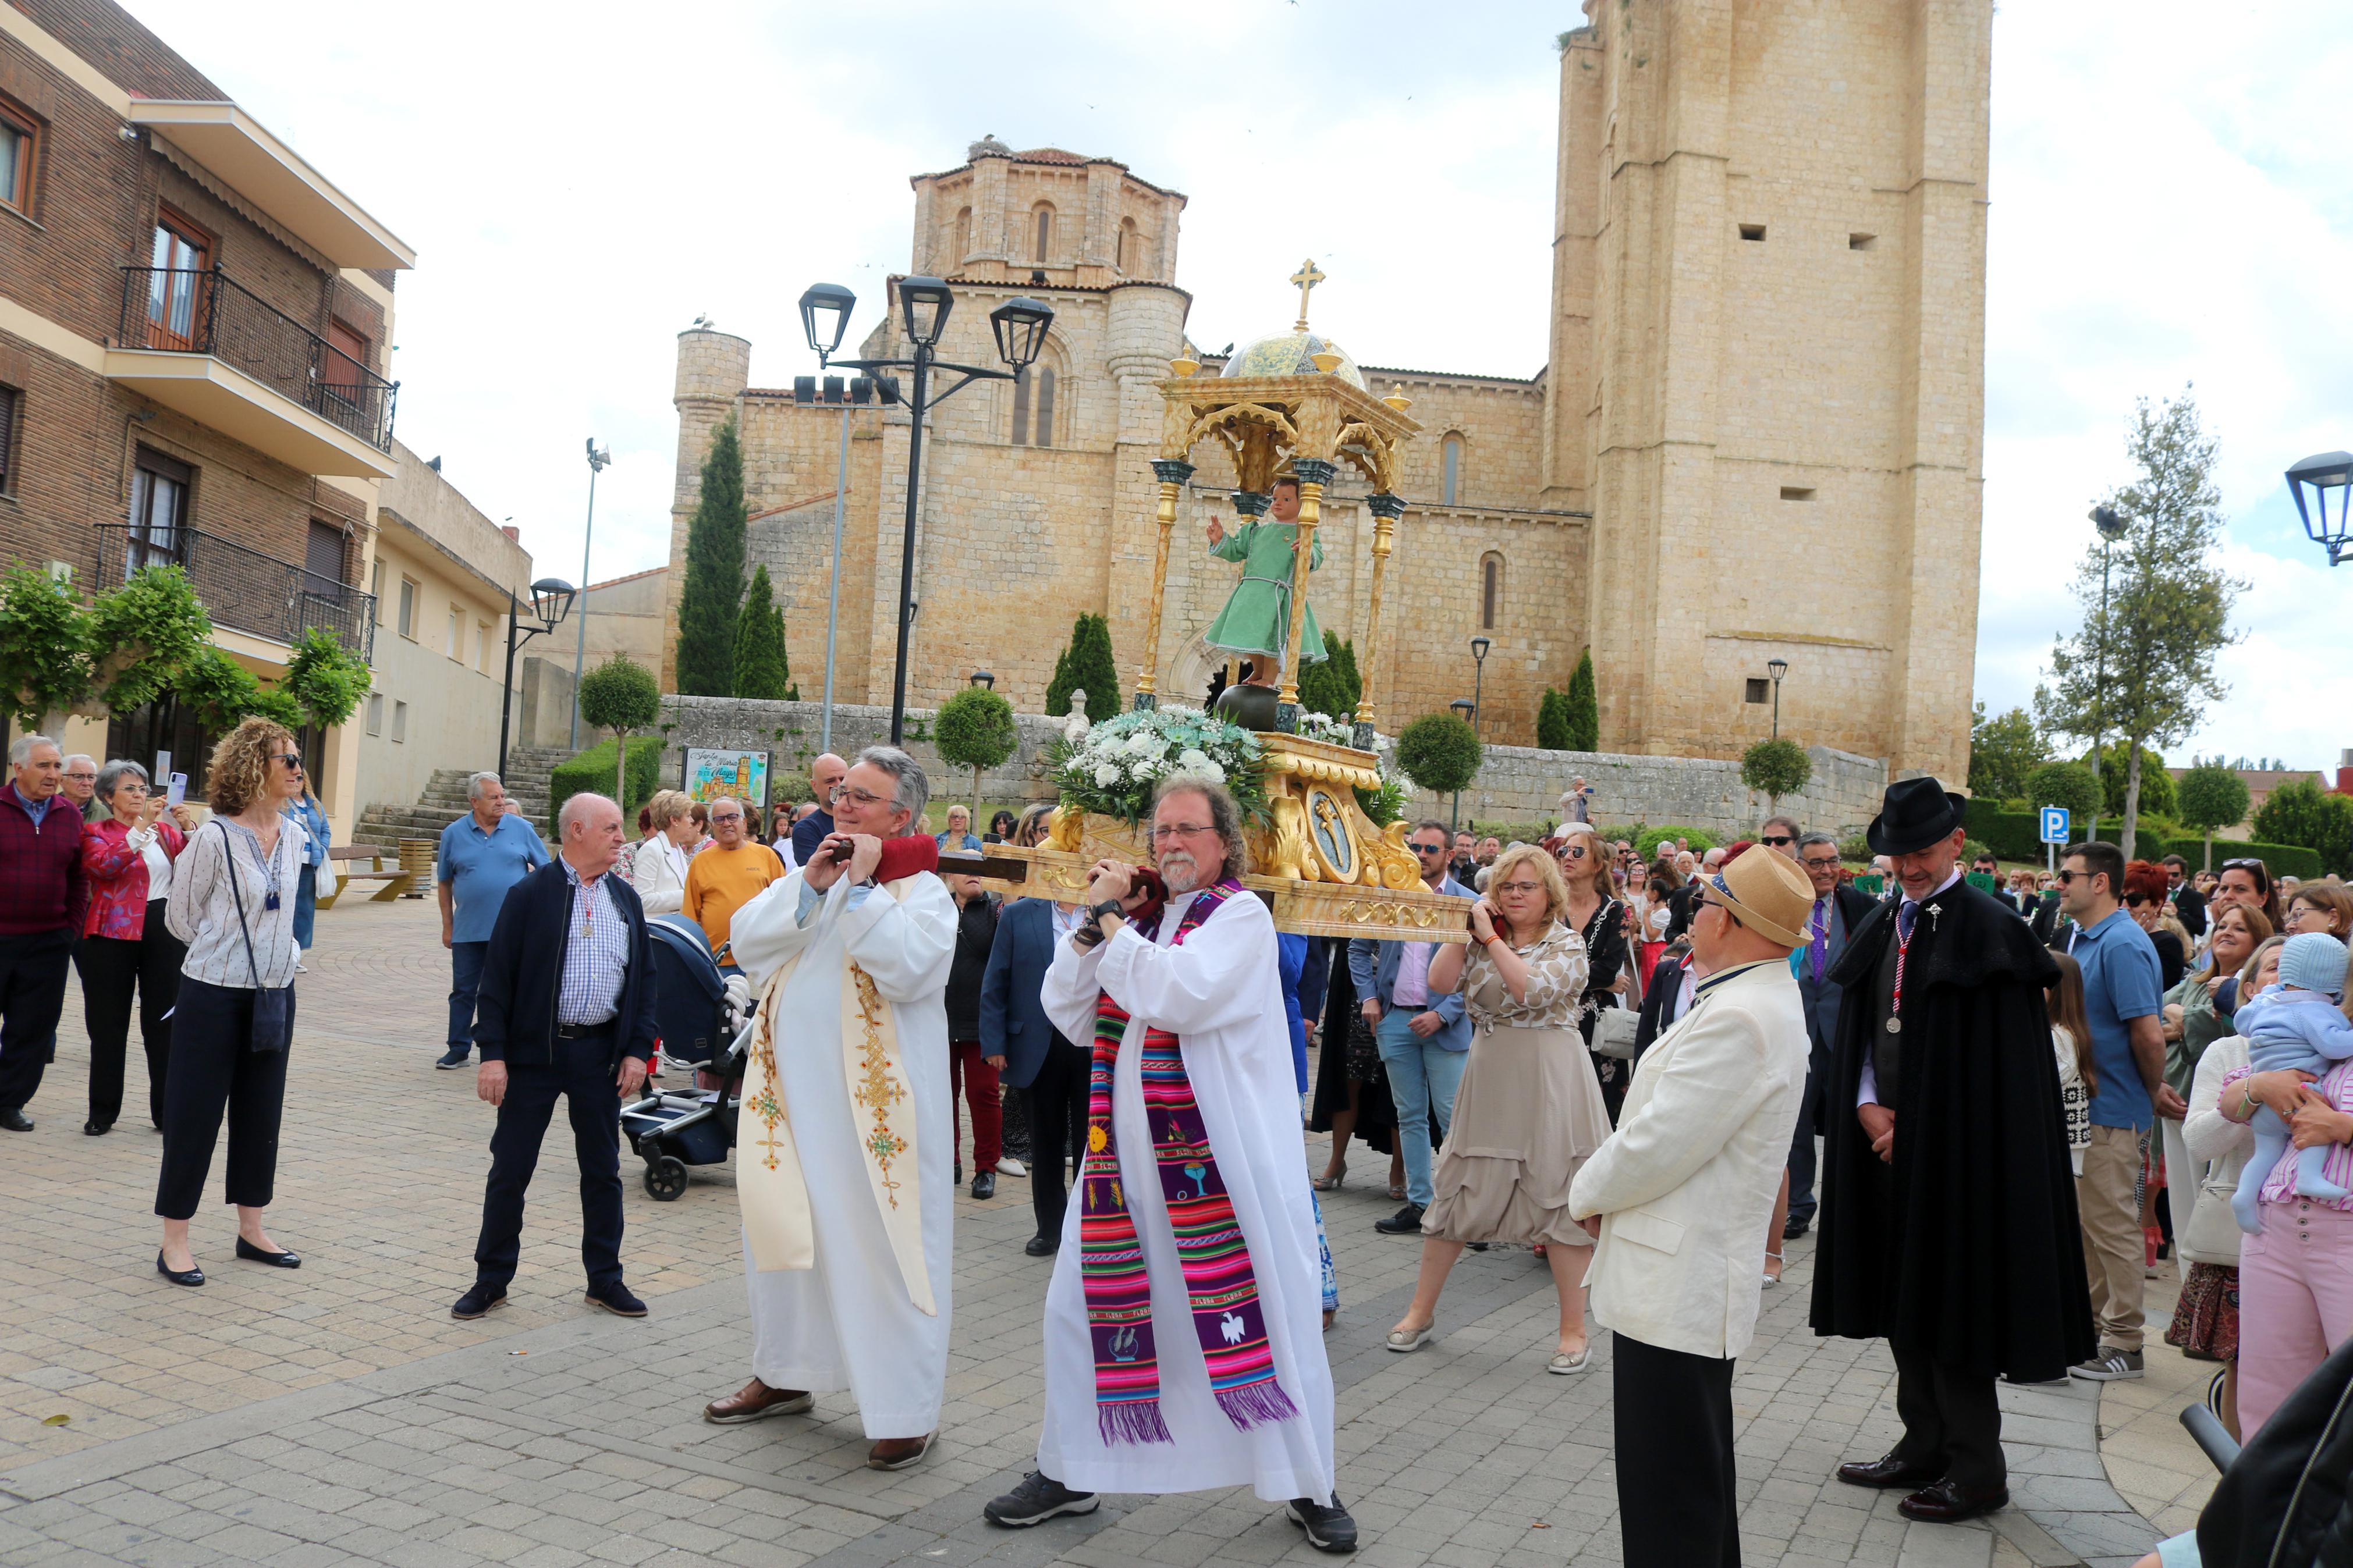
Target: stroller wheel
[[665, 1178]]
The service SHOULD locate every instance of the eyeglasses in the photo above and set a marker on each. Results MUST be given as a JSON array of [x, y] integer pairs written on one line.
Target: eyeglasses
[[861, 797], [292, 761], [1776, 839], [1182, 830], [1574, 852], [83, 778], [726, 817], [1821, 863], [1522, 889], [1429, 848]]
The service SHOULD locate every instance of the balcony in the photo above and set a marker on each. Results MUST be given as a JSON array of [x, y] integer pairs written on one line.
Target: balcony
[[199, 343], [243, 589], [276, 179]]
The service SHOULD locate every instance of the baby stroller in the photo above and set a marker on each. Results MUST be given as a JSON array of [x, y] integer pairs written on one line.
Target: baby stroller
[[701, 1018]]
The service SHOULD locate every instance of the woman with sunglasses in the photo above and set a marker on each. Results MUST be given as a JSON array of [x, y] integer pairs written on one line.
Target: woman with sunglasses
[[1600, 921], [2145, 889], [233, 903]]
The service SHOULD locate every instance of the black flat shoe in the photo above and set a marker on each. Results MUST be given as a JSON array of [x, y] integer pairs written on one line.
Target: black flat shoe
[[15, 1122], [253, 1254], [97, 1129], [1948, 1503], [1039, 1246], [983, 1185], [179, 1275], [1889, 1472]]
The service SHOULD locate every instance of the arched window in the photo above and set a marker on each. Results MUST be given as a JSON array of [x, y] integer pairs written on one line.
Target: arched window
[[1033, 388], [1451, 450], [1045, 426], [1491, 592], [1042, 221], [963, 241], [1127, 256]]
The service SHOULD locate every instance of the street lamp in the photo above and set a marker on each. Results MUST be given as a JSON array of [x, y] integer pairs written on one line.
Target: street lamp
[[2327, 475], [1777, 669], [825, 316], [1479, 647], [597, 461], [551, 601], [2113, 525], [924, 304], [1468, 712], [984, 679]]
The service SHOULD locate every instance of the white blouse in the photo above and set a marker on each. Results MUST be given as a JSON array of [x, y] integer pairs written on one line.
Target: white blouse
[[222, 864], [150, 844]]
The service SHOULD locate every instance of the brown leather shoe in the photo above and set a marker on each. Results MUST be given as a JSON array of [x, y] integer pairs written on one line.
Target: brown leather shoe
[[897, 1453], [754, 1400], [1890, 1471], [1948, 1503]]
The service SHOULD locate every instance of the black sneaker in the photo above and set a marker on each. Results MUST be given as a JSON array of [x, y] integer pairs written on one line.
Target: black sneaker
[[1328, 1529], [1407, 1221], [1039, 1498], [454, 1057], [479, 1301]]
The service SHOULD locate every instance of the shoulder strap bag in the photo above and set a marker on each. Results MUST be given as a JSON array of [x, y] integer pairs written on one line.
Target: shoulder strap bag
[[273, 1008]]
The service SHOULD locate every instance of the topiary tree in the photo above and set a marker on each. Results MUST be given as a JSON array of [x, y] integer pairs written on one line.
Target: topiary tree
[[2070, 784], [1775, 767], [1584, 708], [974, 730], [1552, 722], [762, 669], [1439, 753], [620, 695], [326, 678], [713, 595], [1087, 666], [2212, 797]]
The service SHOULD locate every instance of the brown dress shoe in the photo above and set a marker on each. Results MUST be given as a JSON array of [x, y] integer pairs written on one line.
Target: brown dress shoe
[[897, 1453], [1890, 1471], [1948, 1503], [754, 1400]]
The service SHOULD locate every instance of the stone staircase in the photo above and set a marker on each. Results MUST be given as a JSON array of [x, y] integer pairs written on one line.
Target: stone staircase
[[444, 800]]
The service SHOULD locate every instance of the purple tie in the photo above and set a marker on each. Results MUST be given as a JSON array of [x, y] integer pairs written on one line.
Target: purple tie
[[1819, 953]]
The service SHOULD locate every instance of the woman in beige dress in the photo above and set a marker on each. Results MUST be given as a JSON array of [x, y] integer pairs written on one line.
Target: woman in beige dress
[[1529, 1110]]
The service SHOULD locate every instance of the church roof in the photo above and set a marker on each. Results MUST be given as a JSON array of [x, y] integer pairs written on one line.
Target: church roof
[[988, 147], [1057, 156]]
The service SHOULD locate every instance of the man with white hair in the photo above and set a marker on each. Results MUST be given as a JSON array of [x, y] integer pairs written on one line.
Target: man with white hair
[[843, 1150], [42, 900], [566, 1009], [484, 855], [82, 783]]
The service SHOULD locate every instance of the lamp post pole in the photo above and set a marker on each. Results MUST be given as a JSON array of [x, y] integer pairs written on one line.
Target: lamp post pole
[[1777, 669], [1479, 647], [833, 594], [916, 410], [597, 461], [1468, 711]]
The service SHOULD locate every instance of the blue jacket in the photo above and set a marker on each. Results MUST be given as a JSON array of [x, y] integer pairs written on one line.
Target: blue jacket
[[515, 1011], [1821, 1001], [1013, 1023], [1373, 965]]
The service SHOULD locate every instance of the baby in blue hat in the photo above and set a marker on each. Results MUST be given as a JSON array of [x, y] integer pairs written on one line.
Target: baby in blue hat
[[2297, 1026]]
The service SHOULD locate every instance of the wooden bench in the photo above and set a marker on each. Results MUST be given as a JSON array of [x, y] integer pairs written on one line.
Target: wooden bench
[[364, 863]]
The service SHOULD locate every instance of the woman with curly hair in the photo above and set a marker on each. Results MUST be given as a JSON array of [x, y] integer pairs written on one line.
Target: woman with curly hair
[[233, 903]]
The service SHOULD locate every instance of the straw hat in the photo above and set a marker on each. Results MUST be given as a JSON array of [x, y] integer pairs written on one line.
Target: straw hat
[[1767, 892]]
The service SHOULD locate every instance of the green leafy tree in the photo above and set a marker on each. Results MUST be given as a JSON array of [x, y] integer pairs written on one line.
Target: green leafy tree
[[326, 678], [142, 633], [620, 695], [2070, 784], [59, 656], [762, 669], [45, 648], [2004, 748], [1087, 666], [1552, 722], [2158, 795], [1776, 768], [2300, 813], [1439, 753], [713, 595], [2212, 797], [1584, 710], [2142, 665], [974, 730]]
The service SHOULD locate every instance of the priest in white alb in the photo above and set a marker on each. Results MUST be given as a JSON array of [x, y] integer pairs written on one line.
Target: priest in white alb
[[1184, 1343], [843, 1145]]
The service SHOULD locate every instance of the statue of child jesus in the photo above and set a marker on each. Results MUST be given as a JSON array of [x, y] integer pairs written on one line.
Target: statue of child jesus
[[1256, 620]]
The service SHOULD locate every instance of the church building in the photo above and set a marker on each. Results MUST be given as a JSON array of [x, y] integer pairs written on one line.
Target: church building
[[1759, 438]]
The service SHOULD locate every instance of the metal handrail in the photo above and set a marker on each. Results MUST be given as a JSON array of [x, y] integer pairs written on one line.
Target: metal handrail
[[205, 310], [243, 588]]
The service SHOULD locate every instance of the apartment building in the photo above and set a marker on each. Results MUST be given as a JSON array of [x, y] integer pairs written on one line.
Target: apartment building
[[195, 326]]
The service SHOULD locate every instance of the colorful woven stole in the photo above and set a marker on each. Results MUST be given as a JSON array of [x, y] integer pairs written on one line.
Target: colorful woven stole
[[1219, 1281]]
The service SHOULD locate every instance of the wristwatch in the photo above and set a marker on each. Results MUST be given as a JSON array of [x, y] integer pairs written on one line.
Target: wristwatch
[[1108, 907]]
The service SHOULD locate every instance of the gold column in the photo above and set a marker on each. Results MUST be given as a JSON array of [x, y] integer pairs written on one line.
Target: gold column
[[1387, 509], [1313, 473], [1172, 473]]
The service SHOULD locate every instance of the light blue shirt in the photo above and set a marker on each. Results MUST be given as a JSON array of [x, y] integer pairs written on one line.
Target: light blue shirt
[[2121, 982], [479, 866]]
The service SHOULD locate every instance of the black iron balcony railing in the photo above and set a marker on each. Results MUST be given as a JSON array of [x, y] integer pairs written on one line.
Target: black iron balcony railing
[[242, 588], [204, 311]]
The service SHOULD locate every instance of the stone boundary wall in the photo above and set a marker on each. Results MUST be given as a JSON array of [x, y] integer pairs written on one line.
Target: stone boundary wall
[[790, 733]]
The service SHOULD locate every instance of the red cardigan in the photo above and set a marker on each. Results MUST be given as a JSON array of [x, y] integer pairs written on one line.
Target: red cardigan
[[117, 875], [41, 885]]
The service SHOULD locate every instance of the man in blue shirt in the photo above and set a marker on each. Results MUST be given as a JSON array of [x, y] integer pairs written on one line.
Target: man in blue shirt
[[2122, 999], [483, 854], [826, 774]]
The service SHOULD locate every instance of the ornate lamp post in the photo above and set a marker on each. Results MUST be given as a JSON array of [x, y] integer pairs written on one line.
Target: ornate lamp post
[[1777, 669], [1468, 712], [551, 601], [2328, 477], [1019, 325], [1479, 647], [2113, 525]]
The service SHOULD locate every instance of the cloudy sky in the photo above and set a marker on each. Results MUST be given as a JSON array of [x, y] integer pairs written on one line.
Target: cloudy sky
[[580, 181]]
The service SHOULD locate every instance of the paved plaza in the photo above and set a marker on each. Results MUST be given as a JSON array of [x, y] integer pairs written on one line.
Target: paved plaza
[[337, 1414]]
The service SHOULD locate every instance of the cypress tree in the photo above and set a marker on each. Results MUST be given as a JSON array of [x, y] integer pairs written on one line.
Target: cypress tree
[[1581, 709], [762, 668], [1058, 691], [714, 592], [1552, 722], [1086, 665]]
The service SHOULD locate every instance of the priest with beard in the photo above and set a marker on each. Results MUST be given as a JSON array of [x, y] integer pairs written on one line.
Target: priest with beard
[[1948, 1219], [1184, 1348], [843, 1145]]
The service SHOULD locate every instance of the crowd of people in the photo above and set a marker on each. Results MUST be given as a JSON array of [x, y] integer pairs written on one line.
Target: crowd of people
[[2002, 1099]]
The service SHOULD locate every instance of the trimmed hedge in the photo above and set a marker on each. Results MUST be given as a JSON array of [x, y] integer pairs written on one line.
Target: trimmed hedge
[[593, 770], [2018, 836]]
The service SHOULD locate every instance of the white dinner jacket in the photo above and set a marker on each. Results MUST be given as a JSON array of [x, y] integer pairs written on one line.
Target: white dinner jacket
[[1685, 1185], [655, 872]]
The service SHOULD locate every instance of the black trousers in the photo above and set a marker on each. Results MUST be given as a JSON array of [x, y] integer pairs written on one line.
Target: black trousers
[[1952, 1421], [1802, 1203], [32, 997], [215, 1067], [1673, 1416], [583, 1075], [112, 969], [1058, 1131]]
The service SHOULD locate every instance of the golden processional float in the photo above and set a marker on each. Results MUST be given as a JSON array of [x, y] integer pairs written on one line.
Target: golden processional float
[[1291, 404]]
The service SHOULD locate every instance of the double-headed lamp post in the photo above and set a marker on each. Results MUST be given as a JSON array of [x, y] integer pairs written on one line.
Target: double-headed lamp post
[[551, 601], [2113, 525], [1777, 669], [1468, 712], [1019, 325], [2322, 484]]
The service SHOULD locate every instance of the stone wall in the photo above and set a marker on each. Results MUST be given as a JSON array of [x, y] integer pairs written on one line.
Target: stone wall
[[790, 733]]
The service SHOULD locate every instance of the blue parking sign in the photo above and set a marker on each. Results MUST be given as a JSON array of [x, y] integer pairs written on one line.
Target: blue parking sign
[[2054, 825]]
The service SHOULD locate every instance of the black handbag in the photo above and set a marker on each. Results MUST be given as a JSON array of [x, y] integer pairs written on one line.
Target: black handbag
[[273, 1006]]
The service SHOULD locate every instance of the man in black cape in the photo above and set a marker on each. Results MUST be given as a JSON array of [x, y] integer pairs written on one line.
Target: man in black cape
[[1948, 1203]]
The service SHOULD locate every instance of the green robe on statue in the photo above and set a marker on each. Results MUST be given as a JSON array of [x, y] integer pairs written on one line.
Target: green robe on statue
[[1257, 617]]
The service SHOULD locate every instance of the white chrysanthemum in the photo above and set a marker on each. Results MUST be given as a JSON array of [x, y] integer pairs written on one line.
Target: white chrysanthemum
[[1106, 774], [1193, 758], [1215, 772]]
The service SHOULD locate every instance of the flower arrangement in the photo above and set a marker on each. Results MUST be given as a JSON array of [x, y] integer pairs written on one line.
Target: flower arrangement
[[1114, 767], [1315, 726]]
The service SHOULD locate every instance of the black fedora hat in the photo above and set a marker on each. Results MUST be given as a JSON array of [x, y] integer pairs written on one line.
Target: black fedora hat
[[1915, 813]]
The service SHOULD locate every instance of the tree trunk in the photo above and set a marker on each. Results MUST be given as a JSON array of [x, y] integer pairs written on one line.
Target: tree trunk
[[2132, 797], [975, 797], [621, 791]]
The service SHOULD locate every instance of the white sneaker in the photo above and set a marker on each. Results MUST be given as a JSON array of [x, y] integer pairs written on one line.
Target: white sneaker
[[1008, 1166]]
